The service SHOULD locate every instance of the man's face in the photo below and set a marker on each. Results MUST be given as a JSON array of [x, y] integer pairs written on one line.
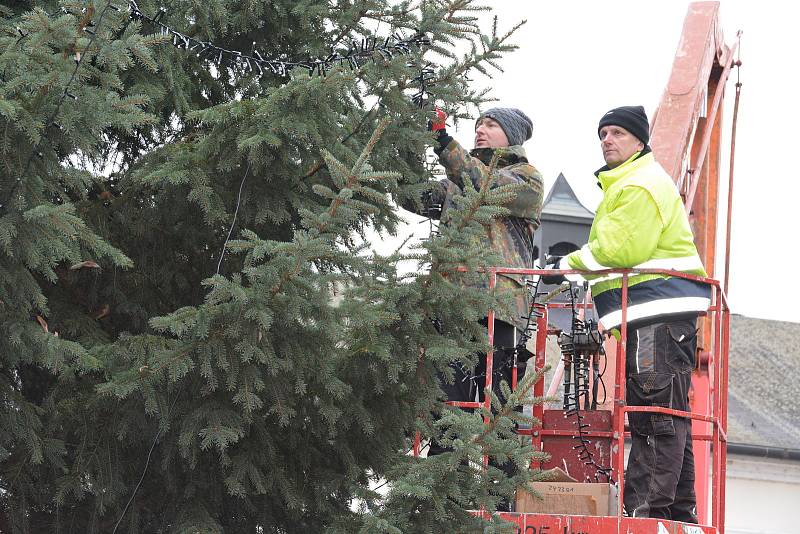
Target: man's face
[[618, 144], [489, 134]]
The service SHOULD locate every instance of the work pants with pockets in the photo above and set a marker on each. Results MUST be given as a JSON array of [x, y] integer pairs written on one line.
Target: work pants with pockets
[[659, 480]]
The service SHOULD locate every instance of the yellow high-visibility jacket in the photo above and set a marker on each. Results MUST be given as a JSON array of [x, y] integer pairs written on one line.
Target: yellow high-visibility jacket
[[641, 223]]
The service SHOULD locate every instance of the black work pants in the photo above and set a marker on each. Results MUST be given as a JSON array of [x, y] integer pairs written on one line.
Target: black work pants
[[659, 480], [468, 382]]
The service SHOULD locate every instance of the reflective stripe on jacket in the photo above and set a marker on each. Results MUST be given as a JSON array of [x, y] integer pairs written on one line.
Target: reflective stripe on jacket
[[641, 223]]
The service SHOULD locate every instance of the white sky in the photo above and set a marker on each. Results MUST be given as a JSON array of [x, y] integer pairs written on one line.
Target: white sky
[[577, 59]]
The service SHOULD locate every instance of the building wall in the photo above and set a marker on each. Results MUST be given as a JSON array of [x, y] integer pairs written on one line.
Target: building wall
[[762, 496], [552, 232]]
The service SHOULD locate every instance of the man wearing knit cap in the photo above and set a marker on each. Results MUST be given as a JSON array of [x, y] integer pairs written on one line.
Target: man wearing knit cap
[[500, 133], [516, 126], [641, 223]]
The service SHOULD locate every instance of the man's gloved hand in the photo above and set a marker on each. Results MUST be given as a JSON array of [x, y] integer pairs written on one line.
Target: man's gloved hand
[[551, 262], [438, 123]]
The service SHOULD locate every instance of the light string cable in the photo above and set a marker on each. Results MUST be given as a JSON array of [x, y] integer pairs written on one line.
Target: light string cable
[[577, 346], [356, 53], [425, 81], [235, 215], [533, 314], [146, 464]]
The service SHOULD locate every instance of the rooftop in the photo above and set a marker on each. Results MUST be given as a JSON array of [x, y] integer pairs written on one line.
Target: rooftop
[[764, 383], [562, 204]]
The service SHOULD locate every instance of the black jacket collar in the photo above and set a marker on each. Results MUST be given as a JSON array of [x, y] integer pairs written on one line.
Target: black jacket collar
[[645, 150], [506, 155]]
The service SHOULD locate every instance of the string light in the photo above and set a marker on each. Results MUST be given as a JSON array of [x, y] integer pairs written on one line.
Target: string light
[[356, 53], [425, 79]]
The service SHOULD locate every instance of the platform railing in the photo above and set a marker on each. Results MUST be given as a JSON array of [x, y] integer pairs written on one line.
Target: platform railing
[[719, 315]]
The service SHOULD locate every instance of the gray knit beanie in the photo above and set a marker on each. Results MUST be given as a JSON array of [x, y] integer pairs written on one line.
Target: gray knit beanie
[[516, 125]]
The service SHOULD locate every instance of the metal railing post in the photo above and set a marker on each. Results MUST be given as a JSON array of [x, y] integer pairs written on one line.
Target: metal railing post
[[619, 395], [487, 391], [538, 388], [722, 416]]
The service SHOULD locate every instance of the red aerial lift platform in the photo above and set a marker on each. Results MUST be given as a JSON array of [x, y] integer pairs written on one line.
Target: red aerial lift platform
[[608, 432], [686, 138]]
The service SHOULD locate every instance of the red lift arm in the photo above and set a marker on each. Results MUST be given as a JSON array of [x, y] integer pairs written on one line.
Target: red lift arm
[[686, 137]]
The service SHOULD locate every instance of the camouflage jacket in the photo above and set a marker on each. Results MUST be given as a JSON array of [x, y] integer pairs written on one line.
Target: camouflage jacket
[[510, 237]]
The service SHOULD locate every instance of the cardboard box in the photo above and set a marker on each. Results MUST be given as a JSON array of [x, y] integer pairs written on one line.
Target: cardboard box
[[573, 498]]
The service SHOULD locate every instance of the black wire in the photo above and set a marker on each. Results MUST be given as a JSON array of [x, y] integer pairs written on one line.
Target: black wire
[[393, 44], [146, 464], [357, 52], [580, 371], [603, 372], [235, 214], [530, 326]]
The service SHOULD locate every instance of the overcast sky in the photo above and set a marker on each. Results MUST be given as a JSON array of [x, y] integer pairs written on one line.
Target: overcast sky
[[577, 59]]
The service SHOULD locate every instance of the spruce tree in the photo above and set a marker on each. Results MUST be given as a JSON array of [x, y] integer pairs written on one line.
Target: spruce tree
[[194, 336]]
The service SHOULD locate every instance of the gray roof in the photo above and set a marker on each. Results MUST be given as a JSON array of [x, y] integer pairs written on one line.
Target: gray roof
[[764, 383], [562, 204]]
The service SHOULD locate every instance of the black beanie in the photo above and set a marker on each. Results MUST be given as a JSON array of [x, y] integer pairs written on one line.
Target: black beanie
[[632, 118]]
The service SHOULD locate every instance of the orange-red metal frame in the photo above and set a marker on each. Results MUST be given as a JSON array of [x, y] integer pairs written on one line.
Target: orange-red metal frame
[[719, 315], [686, 138]]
